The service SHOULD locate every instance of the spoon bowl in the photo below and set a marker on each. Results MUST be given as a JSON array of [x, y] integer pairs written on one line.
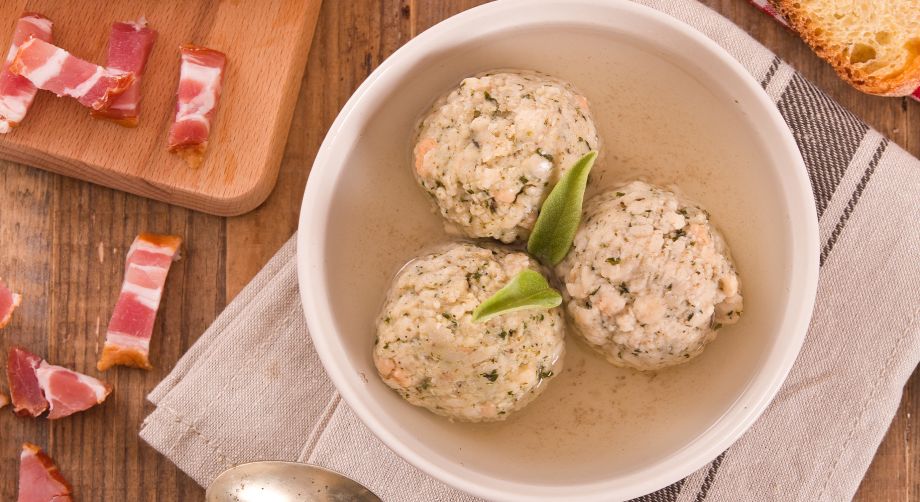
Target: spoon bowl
[[285, 482]]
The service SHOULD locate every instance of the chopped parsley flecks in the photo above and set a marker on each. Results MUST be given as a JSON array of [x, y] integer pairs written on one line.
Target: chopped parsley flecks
[[545, 155], [491, 376], [424, 384], [450, 317], [613, 261], [623, 288]]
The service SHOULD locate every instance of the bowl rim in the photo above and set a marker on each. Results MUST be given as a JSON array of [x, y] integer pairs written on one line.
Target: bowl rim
[[751, 402]]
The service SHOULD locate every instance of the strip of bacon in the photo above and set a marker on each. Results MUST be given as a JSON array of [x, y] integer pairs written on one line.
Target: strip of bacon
[[129, 46], [36, 386], [127, 340], [53, 69], [67, 391], [17, 93], [200, 78], [39, 479], [8, 303], [28, 399]]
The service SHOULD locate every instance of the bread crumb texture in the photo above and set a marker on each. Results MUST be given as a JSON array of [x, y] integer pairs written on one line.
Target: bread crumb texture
[[873, 44]]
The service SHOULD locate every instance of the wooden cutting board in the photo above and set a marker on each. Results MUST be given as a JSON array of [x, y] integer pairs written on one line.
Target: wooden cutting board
[[266, 42]]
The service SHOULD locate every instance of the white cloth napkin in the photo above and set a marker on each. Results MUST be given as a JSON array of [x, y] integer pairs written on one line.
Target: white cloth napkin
[[252, 387]]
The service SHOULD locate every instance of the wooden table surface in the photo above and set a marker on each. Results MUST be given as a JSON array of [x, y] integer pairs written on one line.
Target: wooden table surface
[[64, 241]]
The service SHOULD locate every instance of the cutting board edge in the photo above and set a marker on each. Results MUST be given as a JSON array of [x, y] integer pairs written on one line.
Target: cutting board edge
[[233, 205], [213, 193]]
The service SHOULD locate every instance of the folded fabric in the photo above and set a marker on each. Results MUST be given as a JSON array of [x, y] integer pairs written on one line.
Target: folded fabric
[[252, 387]]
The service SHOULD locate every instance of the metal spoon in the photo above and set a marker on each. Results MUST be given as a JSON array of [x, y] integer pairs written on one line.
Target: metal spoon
[[285, 482]]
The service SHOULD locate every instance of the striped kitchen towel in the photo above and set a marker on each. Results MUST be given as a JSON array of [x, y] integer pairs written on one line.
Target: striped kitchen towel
[[220, 406], [767, 8]]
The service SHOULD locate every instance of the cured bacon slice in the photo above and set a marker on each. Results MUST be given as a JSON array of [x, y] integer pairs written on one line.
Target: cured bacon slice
[[17, 93], [127, 340], [36, 386], [8, 303], [28, 399], [200, 78], [39, 479], [129, 46], [53, 69], [67, 391]]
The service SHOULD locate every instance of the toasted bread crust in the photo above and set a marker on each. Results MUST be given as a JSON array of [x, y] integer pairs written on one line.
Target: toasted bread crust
[[901, 83]]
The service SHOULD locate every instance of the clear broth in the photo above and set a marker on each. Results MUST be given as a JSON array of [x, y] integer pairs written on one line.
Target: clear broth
[[658, 122]]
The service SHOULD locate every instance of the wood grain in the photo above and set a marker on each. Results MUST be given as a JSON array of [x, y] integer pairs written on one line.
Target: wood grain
[[51, 227], [266, 43]]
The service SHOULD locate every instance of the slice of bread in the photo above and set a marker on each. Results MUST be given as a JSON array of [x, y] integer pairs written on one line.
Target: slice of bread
[[873, 44]]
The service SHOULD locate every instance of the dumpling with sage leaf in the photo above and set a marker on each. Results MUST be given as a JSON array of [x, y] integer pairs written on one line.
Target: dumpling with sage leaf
[[649, 280], [469, 332], [490, 150]]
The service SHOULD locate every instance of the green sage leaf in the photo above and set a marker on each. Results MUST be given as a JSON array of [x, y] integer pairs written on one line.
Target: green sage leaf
[[527, 290], [557, 223]]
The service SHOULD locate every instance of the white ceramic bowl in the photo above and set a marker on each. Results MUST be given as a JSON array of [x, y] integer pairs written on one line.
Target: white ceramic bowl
[[671, 107]]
